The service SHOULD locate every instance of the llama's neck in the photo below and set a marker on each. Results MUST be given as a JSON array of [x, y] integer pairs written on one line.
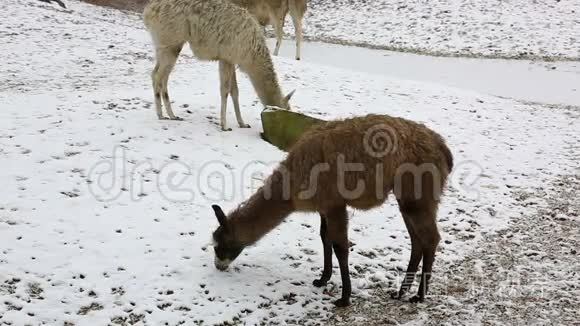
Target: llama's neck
[[264, 80], [260, 214]]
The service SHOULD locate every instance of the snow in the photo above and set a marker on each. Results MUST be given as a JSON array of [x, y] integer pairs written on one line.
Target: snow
[[555, 82], [493, 28], [105, 211]]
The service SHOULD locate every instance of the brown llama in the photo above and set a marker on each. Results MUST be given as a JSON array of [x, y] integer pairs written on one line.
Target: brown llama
[[215, 30], [273, 12], [354, 162]]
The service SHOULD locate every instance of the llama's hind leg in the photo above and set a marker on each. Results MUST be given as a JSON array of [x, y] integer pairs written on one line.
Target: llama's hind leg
[[157, 91], [166, 58], [416, 251], [279, 29], [297, 20], [327, 247], [297, 9], [234, 92], [430, 239], [421, 215], [337, 230]]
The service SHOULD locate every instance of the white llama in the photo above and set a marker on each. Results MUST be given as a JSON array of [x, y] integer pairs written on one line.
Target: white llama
[[215, 30], [273, 12]]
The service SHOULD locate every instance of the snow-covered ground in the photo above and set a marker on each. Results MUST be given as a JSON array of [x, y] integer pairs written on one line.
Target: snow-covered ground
[[554, 82], [494, 28], [104, 210]]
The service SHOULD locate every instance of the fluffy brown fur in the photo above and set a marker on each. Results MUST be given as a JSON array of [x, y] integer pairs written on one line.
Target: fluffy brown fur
[[412, 161]]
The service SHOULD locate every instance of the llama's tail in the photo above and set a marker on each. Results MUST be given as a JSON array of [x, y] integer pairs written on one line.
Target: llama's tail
[[448, 156]]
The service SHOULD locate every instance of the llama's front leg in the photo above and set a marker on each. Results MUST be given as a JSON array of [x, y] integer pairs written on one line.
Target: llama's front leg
[[235, 98], [225, 80], [327, 246], [337, 224]]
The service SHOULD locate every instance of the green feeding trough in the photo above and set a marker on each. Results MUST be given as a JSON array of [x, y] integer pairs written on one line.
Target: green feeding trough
[[282, 128]]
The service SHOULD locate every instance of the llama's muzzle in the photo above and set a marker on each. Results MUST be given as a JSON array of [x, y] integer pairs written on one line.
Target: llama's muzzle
[[222, 265]]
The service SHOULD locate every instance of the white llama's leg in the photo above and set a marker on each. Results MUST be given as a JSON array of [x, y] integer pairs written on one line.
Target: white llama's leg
[[225, 81], [234, 93], [297, 20], [157, 90], [166, 58], [279, 29]]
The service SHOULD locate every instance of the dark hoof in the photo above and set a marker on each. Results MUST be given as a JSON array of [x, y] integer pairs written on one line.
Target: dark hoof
[[298, 59], [226, 129], [245, 126], [416, 299], [342, 302], [177, 119], [319, 283]]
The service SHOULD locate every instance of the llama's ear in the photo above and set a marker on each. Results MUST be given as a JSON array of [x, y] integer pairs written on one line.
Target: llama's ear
[[220, 215], [287, 98]]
